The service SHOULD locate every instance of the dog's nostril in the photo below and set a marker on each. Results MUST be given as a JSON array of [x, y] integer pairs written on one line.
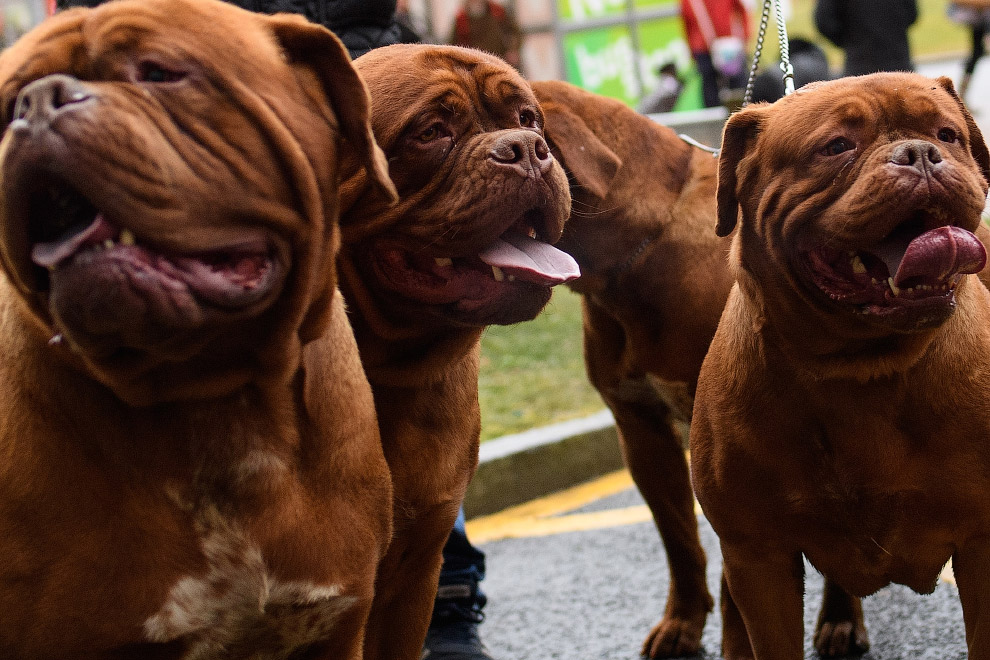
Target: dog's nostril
[[542, 151], [916, 153], [48, 95], [507, 152]]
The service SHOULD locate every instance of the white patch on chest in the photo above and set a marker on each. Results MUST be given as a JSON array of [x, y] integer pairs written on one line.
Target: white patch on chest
[[237, 609]]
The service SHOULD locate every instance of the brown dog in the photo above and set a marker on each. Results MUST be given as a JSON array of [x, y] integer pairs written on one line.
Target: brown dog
[[191, 463], [654, 280], [842, 411], [464, 248]]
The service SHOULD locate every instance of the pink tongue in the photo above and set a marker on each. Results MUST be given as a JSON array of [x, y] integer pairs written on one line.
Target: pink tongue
[[940, 253], [51, 254], [530, 259]]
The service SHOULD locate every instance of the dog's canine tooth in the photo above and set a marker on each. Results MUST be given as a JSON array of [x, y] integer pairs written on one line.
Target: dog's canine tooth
[[443, 261], [857, 264], [893, 287], [498, 274], [127, 237], [107, 244]]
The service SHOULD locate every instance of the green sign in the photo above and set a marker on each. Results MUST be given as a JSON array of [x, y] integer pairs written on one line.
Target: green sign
[[606, 60], [581, 10]]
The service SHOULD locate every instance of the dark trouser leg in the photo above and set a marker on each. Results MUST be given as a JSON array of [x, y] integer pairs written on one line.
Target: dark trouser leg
[[459, 605]]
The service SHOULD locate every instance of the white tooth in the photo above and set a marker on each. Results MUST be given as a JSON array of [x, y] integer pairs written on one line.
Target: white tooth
[[55, 340], [127, 237], [498, 274], [893, 287], [443, 261], [108, 244], [512, 278], [857, 265]]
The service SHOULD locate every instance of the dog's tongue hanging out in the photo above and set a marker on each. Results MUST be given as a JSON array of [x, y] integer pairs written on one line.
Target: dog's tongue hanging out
[[530, 260], [935, 256]]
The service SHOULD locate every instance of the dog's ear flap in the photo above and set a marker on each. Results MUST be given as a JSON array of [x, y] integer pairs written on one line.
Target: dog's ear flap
[[977, 144], [314, 44], [588, 160], [739, 131]]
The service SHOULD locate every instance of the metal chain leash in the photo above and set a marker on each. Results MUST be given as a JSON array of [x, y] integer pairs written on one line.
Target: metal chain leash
[[785, 51]]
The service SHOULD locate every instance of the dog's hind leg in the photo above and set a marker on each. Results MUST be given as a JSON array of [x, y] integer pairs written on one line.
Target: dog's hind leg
[[969, 564], [654, 453], [840, 629]]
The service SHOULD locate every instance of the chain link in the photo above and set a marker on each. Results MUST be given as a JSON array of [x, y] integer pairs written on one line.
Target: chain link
[[785, 54]]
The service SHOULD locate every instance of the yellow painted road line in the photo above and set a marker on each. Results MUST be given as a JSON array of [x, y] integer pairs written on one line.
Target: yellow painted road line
[[497, 525], [542, 517], [578, 522]]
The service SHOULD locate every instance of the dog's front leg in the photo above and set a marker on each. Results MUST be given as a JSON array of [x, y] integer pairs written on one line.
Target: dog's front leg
[[971, 565], [767, 586]]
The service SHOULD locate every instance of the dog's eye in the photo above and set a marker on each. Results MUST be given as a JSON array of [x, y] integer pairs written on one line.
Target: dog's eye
[[156, 73], [837, 146], [431, 133], [527, 119], [947, 135]]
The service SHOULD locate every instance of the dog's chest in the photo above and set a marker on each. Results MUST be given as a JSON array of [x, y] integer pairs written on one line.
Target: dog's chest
[[238, 607], [868, 528], [889, 539]]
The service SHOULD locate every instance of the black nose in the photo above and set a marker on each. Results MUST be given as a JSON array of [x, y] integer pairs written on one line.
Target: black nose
[[43, 99], [918, 154], [524, 151]]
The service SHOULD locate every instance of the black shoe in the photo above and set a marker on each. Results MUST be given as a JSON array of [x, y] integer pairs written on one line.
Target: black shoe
[[454, 640]]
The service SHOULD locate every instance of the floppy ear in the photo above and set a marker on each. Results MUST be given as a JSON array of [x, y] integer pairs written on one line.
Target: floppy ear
[[592, 164], [739, 132], [322, 50], [977, 145]]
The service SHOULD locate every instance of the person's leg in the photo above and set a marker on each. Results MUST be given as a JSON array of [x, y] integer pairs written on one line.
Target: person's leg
[[458, 608], [978, 50], [709, 80]]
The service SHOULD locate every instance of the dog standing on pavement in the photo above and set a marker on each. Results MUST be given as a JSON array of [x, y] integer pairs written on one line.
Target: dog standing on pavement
[[843, 410], [192, 466], [654, 280], [481, 198]]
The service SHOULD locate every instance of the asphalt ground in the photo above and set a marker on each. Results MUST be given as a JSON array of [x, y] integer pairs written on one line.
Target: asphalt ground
[[581, 574]]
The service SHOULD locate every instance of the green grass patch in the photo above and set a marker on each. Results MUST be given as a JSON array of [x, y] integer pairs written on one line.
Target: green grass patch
[[533, 374]]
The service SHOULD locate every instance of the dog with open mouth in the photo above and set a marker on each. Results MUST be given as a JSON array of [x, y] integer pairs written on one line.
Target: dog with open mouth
[[467, 245], [192, 463], [842, 411], [654, 280]]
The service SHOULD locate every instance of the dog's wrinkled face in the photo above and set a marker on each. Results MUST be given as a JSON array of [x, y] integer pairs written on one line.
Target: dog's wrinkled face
[[481, 197], [167, 207], [861, 194]]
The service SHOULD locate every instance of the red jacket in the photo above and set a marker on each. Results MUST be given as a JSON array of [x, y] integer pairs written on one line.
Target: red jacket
[[728, 18]]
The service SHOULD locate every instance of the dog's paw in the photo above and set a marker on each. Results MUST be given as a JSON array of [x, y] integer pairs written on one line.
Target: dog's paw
[[839, 638], [674, 637]]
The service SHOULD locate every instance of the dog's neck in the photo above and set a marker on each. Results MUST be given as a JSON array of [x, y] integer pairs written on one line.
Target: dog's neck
[[818, 348], [409, 352]]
